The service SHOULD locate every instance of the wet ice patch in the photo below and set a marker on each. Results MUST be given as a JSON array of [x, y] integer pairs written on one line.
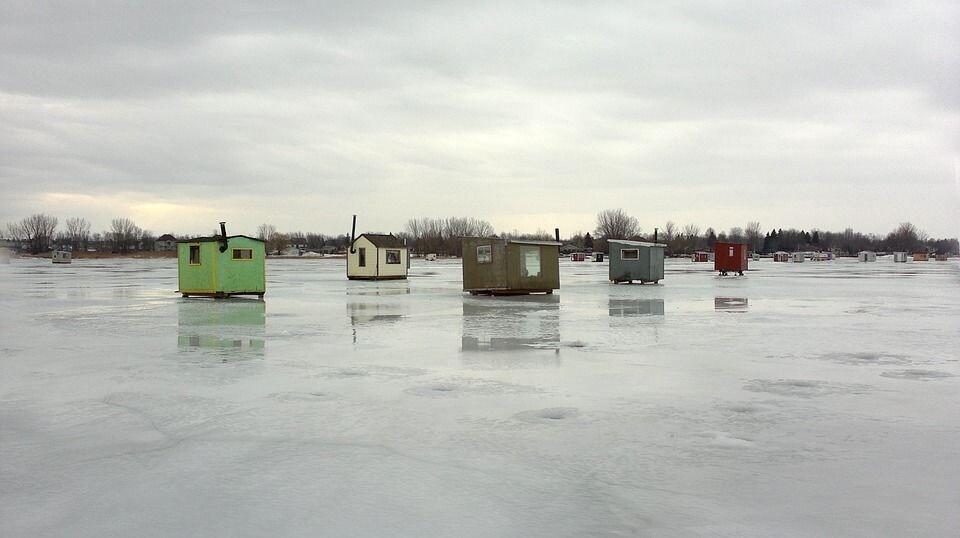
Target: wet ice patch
[[918, 375], [726, 440], [382, 372], [803, 388], [865, 357], [310, 396], [468, 387], [548, 415]]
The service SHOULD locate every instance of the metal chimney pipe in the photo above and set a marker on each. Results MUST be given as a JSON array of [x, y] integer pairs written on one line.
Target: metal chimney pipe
[[223, 237], [353, 233], [556, 232], [655, 230]]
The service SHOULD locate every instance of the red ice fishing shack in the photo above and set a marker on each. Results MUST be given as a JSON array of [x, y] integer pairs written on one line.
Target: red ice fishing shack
[[730, 258]]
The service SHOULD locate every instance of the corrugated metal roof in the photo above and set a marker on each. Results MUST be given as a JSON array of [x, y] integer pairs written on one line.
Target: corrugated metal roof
[[635, 243]]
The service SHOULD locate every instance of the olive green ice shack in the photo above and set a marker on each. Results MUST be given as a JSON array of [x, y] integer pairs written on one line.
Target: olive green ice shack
[[509, 267], [221, 265]]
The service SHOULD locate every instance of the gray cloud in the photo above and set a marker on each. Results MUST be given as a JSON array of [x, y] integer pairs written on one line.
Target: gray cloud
[[814, 114]]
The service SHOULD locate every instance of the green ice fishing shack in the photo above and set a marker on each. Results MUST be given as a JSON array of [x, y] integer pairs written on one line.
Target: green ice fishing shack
[[221, 265]]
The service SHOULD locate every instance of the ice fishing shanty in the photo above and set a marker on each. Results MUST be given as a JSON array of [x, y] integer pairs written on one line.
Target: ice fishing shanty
[[61, 256], [921, 256], [510, 267], [376, 256], [797, 257], [781, 256], [730, 258], [900, 257], [700, 256], [867, 256], [221, 265], [635, 260]]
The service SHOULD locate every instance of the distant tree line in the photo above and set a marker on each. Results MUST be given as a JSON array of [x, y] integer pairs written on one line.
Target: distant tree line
[[40, 233], [617, 224]]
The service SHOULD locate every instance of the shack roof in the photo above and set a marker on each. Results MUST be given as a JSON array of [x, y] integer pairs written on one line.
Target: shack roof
[[167, 237], [215, 238], [517, 241], [636, 243], [533, 242], [384, 240]]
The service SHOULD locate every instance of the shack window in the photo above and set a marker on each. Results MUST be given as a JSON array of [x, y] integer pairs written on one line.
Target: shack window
[[194, 254], [530, 262], [363, 256], [629, 254], [393, 257], [243, 253], [484, 254]]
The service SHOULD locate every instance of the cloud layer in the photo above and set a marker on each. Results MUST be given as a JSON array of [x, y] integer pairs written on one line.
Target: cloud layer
[[531, 116]]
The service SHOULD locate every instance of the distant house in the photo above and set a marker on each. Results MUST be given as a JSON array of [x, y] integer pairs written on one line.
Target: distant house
[[166, 242], [781, 256], [867, 256], [920, 256]]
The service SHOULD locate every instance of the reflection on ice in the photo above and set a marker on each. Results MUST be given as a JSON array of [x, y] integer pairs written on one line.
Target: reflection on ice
[[732, 304], [511, 323], [363, 313], [635, 307], [234, 326]]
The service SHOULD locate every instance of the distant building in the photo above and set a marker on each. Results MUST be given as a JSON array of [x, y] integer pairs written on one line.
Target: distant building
[[781, 256], [900, 257], [165, 243], [920, 256], [867, 256]]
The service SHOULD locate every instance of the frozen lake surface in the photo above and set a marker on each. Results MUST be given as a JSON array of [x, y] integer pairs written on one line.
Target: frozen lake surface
[[815, 399]]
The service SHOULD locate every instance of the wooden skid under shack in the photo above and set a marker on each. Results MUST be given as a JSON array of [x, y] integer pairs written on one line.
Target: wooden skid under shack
[[220, 295], [498, 292]]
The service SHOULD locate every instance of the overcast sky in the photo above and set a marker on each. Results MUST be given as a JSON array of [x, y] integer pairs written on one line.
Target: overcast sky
[[530, 115]]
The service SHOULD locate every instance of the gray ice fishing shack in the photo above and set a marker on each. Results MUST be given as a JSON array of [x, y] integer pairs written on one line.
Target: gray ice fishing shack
[[635, 260]]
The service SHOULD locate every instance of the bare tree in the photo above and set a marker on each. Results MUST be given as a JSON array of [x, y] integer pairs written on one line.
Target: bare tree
[[125, 234], [616, 224], [736, 235], [265, 231], [906, 237], [754, 236], [37, 230], [78, 232]]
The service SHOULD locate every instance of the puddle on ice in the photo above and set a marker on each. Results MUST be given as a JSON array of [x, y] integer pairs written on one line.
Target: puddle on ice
[[804, 388], [549, 415], [919, 375]]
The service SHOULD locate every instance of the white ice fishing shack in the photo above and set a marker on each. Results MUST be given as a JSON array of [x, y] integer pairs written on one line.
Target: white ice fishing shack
[[377, 257]]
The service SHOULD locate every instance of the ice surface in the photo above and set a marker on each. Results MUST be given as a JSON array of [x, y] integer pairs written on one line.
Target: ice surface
[[816, 399]]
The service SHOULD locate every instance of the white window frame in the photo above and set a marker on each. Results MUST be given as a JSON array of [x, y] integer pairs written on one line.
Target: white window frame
[[484, 253], [390, 251]]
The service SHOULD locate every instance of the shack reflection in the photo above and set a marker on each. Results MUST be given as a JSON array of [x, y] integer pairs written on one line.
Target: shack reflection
[[511, 323], [730, 304], [233, 327], [635, 307]]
